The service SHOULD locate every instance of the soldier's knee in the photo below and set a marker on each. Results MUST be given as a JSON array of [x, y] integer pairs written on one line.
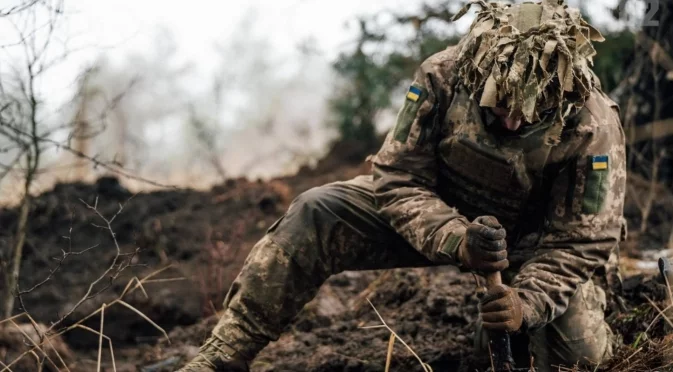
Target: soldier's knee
[[556, 351], [298, 219], [591, 350], [579, 336], [314, 199], [301, 231]]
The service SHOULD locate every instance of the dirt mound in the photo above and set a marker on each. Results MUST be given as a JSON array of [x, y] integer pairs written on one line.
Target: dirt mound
[[432, 309], [205, 237]]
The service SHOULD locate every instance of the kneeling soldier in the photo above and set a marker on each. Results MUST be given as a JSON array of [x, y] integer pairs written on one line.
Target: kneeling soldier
[[505, 156]]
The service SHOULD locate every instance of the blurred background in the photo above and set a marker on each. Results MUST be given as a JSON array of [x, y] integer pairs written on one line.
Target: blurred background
[[189, 95], [138, 136]]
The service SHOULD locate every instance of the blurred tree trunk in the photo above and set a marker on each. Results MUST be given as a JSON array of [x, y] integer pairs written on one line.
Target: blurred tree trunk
[[122, 137], [646, 98], [81, 140]]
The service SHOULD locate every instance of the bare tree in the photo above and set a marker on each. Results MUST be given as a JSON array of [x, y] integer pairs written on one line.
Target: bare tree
[[206, 134], [20, 121], [645, 96], [29, 129]]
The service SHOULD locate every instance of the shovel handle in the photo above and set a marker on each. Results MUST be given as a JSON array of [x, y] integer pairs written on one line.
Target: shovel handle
[[493, 279], [665, 270], [501, 350]]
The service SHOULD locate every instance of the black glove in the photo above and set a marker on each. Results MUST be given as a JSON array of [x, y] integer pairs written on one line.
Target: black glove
[[484, 247]]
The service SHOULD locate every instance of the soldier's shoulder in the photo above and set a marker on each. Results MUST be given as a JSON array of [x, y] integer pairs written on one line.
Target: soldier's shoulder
[[600, 105], [597, 122], [446, 57], [441, 63], [599, 114]]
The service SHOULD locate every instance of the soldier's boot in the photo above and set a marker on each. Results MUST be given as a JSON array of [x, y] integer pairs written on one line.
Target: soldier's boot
[[216, 356]]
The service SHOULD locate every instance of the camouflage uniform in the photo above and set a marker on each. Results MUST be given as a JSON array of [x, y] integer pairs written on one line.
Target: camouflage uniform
[[558, 191]]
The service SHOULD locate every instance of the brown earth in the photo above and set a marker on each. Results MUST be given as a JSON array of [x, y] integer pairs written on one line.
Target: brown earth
[[205, 236]]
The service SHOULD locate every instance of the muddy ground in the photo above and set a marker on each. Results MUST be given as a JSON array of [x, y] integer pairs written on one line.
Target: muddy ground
[[204, 238]]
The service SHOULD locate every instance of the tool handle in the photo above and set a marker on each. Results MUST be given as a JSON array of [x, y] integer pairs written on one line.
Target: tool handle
[[665, 269], [501, 351], [493, 279]]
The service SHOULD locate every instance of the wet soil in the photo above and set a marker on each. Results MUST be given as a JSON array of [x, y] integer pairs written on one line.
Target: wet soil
[[204, 238]]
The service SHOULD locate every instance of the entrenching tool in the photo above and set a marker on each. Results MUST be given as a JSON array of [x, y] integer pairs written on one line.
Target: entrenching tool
[[499, 345], [666, 272]]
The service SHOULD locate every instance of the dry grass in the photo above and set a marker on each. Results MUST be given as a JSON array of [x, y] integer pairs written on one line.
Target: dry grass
[[652, 355], [645, 354], [394, 336], [44, 341]]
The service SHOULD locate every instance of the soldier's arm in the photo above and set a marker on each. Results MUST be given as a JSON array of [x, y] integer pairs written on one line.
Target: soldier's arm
[[584, 222], [405, 169]]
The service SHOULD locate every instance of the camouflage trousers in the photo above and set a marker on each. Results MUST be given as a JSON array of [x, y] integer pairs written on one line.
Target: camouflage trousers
[[336, 227]]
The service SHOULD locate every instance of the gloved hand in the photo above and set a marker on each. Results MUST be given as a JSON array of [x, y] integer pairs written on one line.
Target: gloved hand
[[484, 247], [501, 309]]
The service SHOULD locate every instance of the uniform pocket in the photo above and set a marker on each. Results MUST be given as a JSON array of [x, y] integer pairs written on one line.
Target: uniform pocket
[[407, 115], [485, 181], [488, 168], [596, 188], [274, 225]]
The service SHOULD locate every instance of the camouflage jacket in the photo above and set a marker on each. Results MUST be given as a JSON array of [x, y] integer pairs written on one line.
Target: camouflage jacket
[[445, 163]]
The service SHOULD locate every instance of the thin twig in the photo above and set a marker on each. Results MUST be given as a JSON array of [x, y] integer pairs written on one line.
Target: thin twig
[[114, 365], [78, 324], [389, 356], [100, 336], [627, 359], [659, 310], [95, 161], [55, 269], [426, 367], [113, 271], [30, 339], [490, 355]]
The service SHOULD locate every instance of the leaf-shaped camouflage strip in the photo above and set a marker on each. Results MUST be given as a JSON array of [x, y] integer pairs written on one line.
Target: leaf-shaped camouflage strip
[[529, 57]]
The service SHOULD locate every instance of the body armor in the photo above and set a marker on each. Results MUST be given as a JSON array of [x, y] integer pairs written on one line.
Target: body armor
[[486, 171]]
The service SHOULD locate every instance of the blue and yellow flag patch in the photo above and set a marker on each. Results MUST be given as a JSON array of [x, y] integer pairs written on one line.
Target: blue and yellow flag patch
[[599, 162], [414, 93]]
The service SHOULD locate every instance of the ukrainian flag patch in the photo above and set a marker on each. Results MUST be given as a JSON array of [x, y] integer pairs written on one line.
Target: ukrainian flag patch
[[414, 93], [599, 162]]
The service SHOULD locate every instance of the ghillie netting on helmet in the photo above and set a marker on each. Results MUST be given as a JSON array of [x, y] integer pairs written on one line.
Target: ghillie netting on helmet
[[530, 58]]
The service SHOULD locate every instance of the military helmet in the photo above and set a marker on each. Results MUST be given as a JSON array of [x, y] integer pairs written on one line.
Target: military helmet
[[533, 58]]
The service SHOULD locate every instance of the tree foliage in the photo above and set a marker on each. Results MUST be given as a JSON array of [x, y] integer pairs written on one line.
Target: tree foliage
[[381, 63], [613, 58]]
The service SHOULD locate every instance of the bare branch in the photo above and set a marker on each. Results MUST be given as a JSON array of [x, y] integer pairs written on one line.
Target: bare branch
[[96, 162], [113, 271], [9, 166], [60, 261], [18, 8]]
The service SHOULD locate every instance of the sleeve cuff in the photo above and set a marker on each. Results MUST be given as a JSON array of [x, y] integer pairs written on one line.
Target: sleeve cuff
[[530, 318], [451, 243]]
